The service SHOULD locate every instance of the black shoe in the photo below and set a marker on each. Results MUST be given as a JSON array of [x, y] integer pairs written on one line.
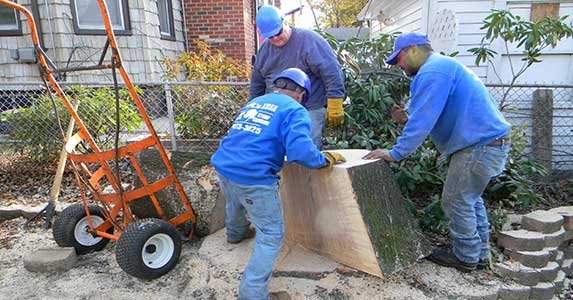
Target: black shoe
[[250, 234], [482, 264], [446, 257]]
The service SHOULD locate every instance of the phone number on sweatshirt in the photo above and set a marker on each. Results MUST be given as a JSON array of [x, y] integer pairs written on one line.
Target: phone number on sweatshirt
[[248, 128]]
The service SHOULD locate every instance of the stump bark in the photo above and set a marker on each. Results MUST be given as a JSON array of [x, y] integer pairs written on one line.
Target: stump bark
[[353, 214], [200, 182]]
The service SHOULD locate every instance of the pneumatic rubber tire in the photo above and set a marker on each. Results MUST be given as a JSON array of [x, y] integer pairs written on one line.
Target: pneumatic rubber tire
[[148, 248], [70, 229]]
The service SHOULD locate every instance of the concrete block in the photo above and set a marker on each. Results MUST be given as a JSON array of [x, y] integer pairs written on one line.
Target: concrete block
[[566, 266], [552, 253], [567, 213], [555, 239], [519, 273], [542, 291], [559, 280], [521, 240], [549, 272], [560, 257], [542, 221], [568, 235], [514, 219], [513, 292], [532, 259], [50, 260], [567, 252], [513, 222]]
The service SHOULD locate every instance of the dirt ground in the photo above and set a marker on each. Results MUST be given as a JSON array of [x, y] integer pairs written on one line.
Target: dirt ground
[[98, 276]]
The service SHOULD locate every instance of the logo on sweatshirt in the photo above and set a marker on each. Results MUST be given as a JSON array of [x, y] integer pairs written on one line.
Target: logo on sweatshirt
[[254, 116]]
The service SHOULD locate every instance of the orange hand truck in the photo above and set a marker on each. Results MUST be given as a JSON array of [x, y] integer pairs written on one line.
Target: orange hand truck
[[146, 248]]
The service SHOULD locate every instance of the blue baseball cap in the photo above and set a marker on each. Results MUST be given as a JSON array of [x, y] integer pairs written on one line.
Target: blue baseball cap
[[406, 40]]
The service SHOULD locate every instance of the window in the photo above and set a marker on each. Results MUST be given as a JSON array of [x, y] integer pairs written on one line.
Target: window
[[165, 11], [88, 19], [540, 11], [268, 2], [9, 21]]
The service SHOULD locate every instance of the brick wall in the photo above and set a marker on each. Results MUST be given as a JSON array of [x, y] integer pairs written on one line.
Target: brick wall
[[227, 25]]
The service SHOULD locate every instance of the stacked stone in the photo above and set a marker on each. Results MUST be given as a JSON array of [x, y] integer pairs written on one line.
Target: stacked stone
[[540, 255]]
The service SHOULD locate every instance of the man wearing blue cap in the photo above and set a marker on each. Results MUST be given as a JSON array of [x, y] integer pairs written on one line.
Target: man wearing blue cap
[[286, 47], [450, 103], [248, 162]]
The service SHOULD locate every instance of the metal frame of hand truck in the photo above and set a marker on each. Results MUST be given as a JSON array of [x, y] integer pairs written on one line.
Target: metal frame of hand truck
[[115, 205]]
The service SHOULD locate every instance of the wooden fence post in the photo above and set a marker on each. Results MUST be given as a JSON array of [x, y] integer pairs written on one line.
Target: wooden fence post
[[542, 127]]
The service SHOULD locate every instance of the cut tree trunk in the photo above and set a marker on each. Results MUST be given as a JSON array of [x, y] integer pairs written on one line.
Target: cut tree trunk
[[200, 182], [353, 214]]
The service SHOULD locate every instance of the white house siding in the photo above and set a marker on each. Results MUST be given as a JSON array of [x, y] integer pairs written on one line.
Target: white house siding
[[141, 51], [417, 15], [400, 16], [469, 16], [558, 60]]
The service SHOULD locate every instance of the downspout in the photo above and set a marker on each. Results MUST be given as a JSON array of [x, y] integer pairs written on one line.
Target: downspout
[[428, 14], [255, 35], [51, 30], [185, 38], [36, 14]]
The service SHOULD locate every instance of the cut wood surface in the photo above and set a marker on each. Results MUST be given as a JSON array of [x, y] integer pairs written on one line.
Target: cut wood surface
[[353, 214]]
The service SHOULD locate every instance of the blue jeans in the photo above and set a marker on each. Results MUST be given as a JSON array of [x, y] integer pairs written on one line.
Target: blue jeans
[[469, 173], [316, 124], [263, 205]]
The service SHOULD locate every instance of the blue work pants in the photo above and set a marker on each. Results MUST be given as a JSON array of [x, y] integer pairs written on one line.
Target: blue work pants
[[469, 172], [264, 208]]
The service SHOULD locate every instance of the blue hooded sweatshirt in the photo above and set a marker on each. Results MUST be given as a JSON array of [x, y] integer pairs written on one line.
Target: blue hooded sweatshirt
[[307, 51], [453, 106], [265, 130]]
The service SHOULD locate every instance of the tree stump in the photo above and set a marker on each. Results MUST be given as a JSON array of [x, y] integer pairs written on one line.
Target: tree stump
[[353, 214], [200, 182]]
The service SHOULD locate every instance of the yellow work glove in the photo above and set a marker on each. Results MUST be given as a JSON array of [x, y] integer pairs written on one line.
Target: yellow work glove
[[333, 158], [334, 112]]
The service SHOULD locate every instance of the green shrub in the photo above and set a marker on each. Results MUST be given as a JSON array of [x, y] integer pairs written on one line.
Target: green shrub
[[36, 131], [207, 111], [372, 91]]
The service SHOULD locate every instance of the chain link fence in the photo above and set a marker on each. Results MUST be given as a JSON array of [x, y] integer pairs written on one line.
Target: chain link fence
[[545, 112], [187, 116], [193, 116]]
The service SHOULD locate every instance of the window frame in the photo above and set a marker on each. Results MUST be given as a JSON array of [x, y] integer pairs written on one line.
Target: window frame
[[170, 22], [13, 32], [93, 31]]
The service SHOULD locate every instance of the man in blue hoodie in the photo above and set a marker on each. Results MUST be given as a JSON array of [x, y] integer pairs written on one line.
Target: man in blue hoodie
[[286, 47], [451, 104], [248, 162]]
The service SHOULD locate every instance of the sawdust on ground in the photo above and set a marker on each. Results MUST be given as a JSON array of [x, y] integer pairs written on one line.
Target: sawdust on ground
[[98, 276]]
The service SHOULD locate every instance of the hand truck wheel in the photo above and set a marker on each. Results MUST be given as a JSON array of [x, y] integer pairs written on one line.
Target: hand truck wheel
[[71, 229], [148, 248]]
